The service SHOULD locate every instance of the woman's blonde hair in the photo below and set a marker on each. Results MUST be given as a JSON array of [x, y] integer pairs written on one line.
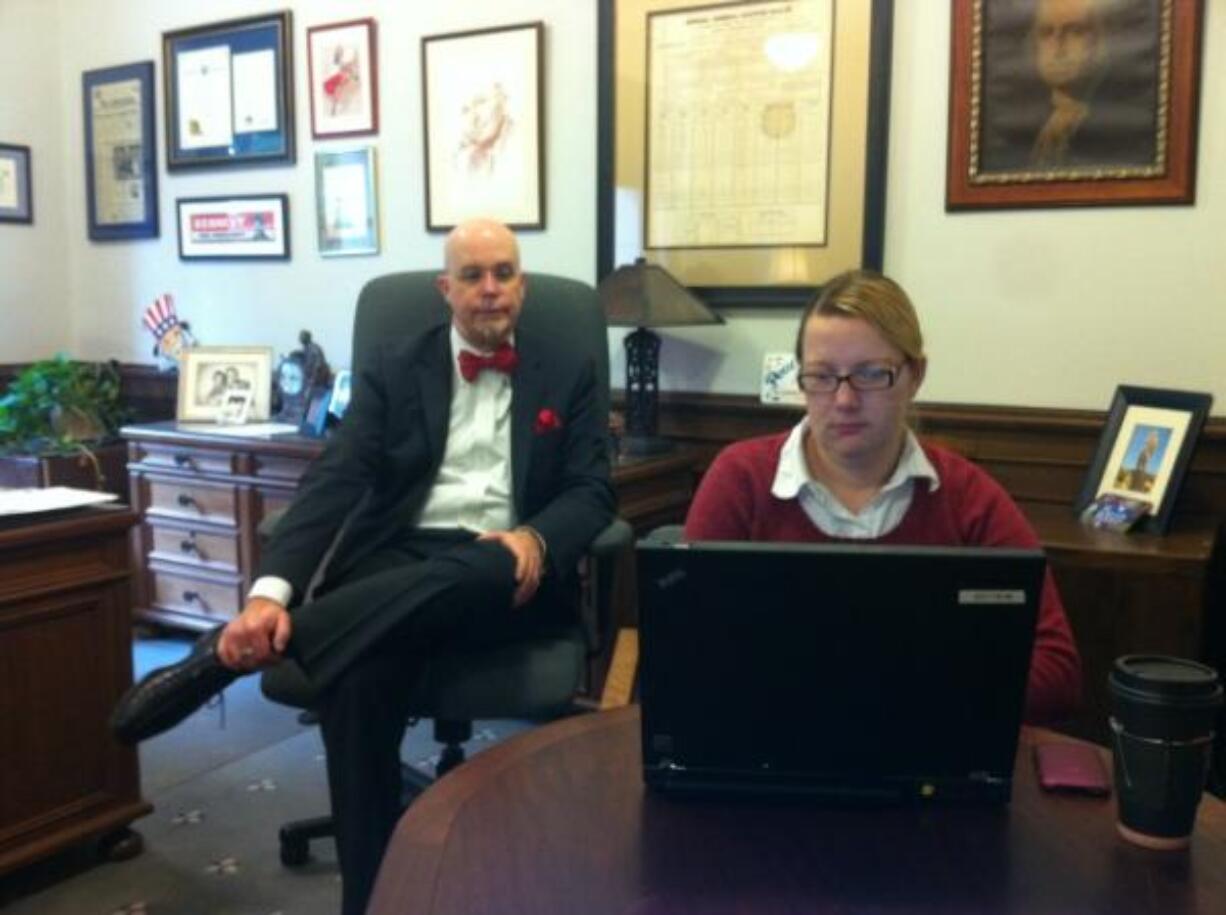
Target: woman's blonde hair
[[874, 298]]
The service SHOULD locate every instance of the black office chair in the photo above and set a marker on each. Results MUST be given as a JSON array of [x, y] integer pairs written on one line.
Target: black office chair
[[535, 679]]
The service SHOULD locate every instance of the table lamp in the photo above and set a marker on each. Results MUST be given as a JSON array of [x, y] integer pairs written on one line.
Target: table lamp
[[643, 295]]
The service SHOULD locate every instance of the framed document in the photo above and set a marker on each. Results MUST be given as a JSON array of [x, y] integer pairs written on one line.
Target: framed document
[[346, 202], [234, 228], [1073, 104], [120, 152], [229, 93], [742, 144], [344, 79], [16, 188], [484, 126]]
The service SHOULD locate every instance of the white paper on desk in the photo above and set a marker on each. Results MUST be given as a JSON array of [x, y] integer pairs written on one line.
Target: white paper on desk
[[53, 498], [247, 430]]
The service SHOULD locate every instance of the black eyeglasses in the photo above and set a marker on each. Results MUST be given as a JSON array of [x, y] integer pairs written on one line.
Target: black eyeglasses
[[861, 378]]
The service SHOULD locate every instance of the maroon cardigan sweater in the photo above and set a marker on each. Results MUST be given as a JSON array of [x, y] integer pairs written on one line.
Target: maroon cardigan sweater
[[969, 508]]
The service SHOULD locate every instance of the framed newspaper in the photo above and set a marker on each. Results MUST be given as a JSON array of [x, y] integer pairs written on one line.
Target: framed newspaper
[[742, 145], [120, 152]]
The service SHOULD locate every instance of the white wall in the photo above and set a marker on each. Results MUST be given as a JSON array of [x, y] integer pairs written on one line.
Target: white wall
[[35, 310], [1039, 308]]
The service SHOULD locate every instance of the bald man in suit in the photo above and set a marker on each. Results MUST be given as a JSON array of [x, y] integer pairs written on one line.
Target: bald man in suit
[[479, 459]]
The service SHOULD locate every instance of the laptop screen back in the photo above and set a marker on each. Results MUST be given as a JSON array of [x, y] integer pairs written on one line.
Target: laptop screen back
[[834, 667]]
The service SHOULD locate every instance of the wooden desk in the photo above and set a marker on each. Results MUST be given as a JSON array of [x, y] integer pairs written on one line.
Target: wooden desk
[[557, 821], [65, 659]]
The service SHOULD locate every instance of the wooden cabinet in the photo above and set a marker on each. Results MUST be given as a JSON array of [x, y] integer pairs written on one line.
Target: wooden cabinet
[[65, 659], [201, 498]]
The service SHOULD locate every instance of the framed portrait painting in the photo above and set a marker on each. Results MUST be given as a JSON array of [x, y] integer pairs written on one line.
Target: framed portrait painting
[[1144, 451], [16, 188], [230, 92], [234, 228], [742, 145], [344, 79], [218, 383], [484, 133], [1073, 102], [120, 152]]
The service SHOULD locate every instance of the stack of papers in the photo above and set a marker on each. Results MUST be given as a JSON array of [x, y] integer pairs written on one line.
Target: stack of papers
[[53, 498]]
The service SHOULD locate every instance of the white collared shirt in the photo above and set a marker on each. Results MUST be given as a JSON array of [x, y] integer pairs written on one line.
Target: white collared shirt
[[472, 490], [834, 519]]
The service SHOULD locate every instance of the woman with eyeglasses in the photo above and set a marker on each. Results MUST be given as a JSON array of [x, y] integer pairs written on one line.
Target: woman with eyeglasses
[[852, 470]]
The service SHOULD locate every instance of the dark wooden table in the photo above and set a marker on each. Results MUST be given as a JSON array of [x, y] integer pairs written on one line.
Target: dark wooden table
[[65, 659], [557, 821]]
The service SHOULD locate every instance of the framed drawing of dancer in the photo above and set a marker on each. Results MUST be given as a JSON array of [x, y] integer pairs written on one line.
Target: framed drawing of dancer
[[484, 126], [344, 79]]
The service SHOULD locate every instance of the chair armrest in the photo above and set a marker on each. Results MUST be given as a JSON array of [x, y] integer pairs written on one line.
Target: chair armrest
[[268, 524], [610, 553], [666, 534]]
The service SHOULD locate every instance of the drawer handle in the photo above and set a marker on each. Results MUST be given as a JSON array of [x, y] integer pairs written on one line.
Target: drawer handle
[[183, 460], [195, 597], [189, 546], [185, 500]]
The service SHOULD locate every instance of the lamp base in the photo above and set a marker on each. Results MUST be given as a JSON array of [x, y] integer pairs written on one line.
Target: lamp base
[[645, 445]]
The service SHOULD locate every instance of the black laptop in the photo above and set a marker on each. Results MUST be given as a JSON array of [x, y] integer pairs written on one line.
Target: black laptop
[[847, 672]]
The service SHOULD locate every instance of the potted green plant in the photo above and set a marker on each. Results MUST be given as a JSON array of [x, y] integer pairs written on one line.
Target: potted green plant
[[59, 423]]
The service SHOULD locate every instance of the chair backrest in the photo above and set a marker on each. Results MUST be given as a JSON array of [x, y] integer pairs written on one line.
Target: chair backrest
[[399, 305]]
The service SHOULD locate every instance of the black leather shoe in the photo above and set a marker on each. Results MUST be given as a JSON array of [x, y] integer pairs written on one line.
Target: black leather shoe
[[169, 694]]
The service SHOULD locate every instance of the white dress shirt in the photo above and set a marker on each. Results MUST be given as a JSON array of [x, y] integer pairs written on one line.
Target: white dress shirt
[[834, 519], [472, 490]]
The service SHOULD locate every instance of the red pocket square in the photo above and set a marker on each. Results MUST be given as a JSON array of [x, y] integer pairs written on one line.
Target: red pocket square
[[546, 421]]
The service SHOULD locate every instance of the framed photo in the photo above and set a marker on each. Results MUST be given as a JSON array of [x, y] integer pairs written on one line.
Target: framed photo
[[338, 401], [230, 93], [234, 228], [342, 67], [484, 126], [1073, 104], [215, 381], [346, 202], [315, 418], [1144, 450], [120, 152], [16, 188], [742, 145]]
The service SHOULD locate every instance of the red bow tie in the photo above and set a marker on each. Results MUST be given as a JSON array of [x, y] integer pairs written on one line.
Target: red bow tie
[[504, 359]]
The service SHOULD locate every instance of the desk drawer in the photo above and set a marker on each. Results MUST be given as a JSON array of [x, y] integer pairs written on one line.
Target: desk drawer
[[184, 459], [186, 499], [195, 547], [273, 467], [206, 597]]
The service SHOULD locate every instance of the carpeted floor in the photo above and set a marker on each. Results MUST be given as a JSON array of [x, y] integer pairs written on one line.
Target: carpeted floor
[[221, 784]]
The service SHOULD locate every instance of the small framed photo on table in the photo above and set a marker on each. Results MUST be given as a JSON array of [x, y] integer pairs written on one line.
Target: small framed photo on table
[[16, 196], [344, 78], [1144, 452], [484, 126], [347, 203], [230, 92], [120, 152], [234, 228], [222, 383]]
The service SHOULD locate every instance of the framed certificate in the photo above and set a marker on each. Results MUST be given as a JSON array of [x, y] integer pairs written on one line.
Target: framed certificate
[[742, 145], [120, 152], [229, 93], [234, 228]]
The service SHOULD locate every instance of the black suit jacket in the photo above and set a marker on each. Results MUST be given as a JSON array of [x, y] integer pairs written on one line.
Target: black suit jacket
[[388, 450]]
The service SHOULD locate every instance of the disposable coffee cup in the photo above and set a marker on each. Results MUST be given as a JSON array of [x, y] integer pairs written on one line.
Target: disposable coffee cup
[[1162, 728]]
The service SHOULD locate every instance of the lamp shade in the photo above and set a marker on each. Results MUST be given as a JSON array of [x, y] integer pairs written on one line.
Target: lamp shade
[[647, 295]]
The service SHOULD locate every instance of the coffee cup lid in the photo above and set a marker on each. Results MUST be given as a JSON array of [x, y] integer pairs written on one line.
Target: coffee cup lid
[[1171, 678]]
